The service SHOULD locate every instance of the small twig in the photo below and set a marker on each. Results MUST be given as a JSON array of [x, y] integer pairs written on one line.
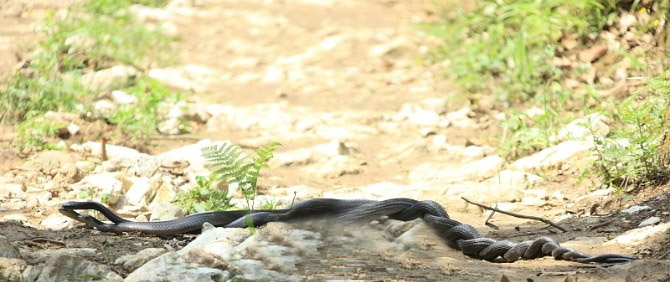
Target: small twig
[[517, 215], [292, 201], [487, 223], [601, 224], [664, 255], [103, 148]]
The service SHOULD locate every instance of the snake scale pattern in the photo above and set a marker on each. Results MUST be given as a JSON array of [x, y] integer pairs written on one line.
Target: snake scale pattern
[[458, 236]]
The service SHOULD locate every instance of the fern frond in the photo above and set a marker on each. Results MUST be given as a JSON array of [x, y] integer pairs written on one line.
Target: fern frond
[[232, 165]]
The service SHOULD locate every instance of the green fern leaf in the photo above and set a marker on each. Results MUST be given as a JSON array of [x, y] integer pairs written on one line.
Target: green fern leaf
[[232, 165]]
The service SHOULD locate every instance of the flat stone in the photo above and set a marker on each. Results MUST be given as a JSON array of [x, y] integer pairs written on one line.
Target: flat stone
[[635, 209], [650, 221], [642, 236]]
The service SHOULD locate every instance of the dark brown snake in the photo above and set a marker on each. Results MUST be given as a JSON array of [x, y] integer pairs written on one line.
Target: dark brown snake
[[458, 236]]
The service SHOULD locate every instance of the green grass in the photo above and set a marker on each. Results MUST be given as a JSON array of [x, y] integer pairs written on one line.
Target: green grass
[[103, 36], [636, 152], [505, 48]]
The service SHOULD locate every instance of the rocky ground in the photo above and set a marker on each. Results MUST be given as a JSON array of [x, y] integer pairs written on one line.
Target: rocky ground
[[339, 84]]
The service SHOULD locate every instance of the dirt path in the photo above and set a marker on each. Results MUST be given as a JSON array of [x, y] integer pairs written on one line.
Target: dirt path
[[355, 61], [340, 83]]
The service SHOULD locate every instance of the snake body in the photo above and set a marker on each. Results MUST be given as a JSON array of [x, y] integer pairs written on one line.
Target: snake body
[[459, 236]]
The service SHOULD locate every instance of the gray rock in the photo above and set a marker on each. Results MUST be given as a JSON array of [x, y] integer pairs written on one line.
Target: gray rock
[[44, 255], [108, 79], [7, 250], [172, 266], [650, 221], [635, 209], [131, 262], [64, 267], [11, 269]]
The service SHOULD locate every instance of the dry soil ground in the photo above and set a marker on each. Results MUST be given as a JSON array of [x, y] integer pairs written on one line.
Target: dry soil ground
[[356, 58]]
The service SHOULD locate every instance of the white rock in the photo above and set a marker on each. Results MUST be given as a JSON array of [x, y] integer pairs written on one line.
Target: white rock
[[170, 126], [387, 48], [273, 74], [165, 211], [73, 128], [579, 128], [486, 193], [552, 156], [649, 221], [15, 217], [641, 236], [516, 178], [102, 184], [175, 267], [450, 173], [436, 105], [534, 112], [140, 192], [113, 151], [79, 43], [12, 189], [602, 192], [122, 98], [415, 114], [108, 79], [187, 77], [439, 140], [636, 209], [56, 222], [146, 14], [625, 21], [473, 152], [104, 108], [335, 167]]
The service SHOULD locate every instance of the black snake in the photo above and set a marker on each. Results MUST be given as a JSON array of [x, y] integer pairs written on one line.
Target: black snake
[[458, 236]]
